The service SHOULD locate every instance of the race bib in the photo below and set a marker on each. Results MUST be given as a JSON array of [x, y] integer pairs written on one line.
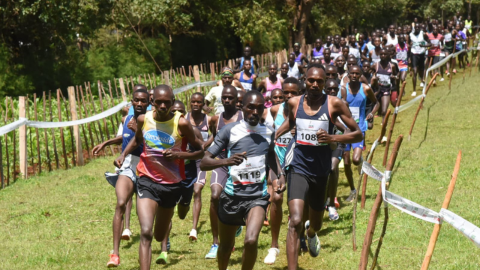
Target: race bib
[[307, 130], [250, 171], [284, 140], [384, 80], [448, 37], [435, 42], [247, 86], [204, 135], [401, 56], [355, 113]]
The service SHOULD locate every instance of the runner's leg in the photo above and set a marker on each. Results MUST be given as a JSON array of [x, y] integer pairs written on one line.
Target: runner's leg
[[146, 209], [295, 225], [254, 224], [227, 237], [124, 192], [216, 191], [197, 203], [348, 169]]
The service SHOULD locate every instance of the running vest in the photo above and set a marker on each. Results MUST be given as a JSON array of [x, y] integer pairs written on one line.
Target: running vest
[[221, 124], [284, 140], [448, 41], [435, 44], [417, 40], [356, 104], [318, 54], [392, 41], [127, 135], [375, 57], [384, 81], [293, 71], [270, 86], [402, 56], [247, 84], [304, 154], [468, 25], [298, 59], [252, 70], [158, 137], [269, 119], [354, 51], [203, 127]]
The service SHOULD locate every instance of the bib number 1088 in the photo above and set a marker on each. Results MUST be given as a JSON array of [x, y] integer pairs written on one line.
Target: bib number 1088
[[249, 175]]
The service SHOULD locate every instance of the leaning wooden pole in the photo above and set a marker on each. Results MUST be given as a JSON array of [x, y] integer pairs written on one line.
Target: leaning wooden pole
[[376, 207], [420, 106], [365, 176], [446, 202], [392, 125]]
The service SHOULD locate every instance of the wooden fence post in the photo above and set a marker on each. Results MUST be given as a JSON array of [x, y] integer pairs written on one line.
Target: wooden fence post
[[196, 75], [23, 138], [122, 89], [76, 130]]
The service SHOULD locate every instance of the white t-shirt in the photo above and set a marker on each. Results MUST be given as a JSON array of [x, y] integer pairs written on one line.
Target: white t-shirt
[[417, 40], [214, 96]]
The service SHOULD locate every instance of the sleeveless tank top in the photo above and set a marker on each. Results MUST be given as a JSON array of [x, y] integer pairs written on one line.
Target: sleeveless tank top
[[357, 104], [304, 154], [384, 81], [284, 140], [392, 41], [158, 137], [221, 124], [318, 54], [270, 87], [375, 56], [128, 135], [269, 119], [417, 40], [203, 127], [402, 56], [434, 49], [298, 59], [252, 70], [247, 84], [293, 71]]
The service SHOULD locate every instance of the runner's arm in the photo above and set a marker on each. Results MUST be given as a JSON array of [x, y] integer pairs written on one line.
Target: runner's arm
[[289, 123], [371, 96], [209, 162], [195, 140], [276, 167], [339, 109], [133, 144]]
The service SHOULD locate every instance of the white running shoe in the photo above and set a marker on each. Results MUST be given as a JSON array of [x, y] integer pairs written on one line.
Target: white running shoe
[[414, 94], [126, 235], [272, 256], [351, 196], [422, 84], [332, 213], [193, 235], [384, 139], [442, 79]]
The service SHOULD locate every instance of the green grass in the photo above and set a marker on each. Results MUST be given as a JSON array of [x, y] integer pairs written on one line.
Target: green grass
[[63, 219]]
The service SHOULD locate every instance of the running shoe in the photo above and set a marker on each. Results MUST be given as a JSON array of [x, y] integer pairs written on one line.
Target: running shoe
[[126, 235], [312, 243], [442, 79], [351, 196], [384, 139], [266, 223], [422, 84], [435, 83], [114, 261], [337, 205], [414, 94], [193, 235], [303, 244], [454, 72], [163, 258], [272, 256], [239, 231], [332, 213], [212, 254]]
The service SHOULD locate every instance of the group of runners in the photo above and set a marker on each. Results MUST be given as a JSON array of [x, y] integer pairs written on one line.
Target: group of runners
[[288, 131]]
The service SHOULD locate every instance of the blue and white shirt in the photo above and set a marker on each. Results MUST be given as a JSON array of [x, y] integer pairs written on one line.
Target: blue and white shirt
[[247, 180]]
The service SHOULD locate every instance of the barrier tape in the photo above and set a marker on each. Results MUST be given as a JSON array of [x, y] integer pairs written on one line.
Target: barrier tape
[[471, 231], [12, 126], [435, 66]]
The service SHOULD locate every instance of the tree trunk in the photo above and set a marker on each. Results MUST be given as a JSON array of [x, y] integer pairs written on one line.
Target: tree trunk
[[301, 11]]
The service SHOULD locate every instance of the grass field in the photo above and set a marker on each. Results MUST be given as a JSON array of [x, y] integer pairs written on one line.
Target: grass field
[[62, 220]]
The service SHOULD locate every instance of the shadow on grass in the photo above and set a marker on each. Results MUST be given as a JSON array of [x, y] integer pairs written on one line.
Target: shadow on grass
[[426, 127], [135, 239]]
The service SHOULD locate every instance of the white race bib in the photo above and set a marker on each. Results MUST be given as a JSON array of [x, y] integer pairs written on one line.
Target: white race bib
[[247, 86], [448, 37], [284, 140], [307, 130], [384, 80], [250, 171], [402, 56], [355, 113]]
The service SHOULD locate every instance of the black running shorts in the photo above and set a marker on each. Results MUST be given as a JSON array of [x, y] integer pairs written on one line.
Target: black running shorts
[[166, 195], [234, 211], [418, 60], [307, 188]]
